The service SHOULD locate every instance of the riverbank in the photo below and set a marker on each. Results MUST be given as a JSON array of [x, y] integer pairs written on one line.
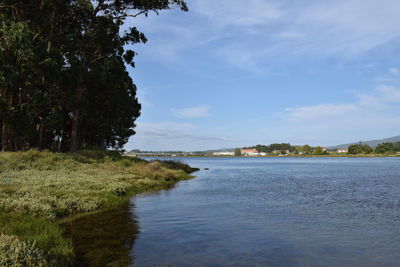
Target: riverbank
[[339, 155], [39, 191]]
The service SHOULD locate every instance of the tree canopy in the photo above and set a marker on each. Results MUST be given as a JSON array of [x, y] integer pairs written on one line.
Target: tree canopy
[[360, 149], [274, 147], [387, 147], [63, 79]]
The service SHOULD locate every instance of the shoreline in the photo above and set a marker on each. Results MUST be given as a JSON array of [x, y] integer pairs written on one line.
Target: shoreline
[[275, 156], [41, 192]]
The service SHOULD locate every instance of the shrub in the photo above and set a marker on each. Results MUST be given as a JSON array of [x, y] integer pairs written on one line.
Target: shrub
[[14, 252]]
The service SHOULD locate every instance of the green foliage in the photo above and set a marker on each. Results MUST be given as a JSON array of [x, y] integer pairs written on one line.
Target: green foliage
[[305, 150], [319, 151], [177, 165], [360, 149], [37, 189], [386, 148], [238, 152], [14, 252], [46, 235], [63, 80], [54, 185], [281, 148]]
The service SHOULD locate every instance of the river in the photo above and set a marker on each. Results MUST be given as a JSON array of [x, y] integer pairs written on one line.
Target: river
[[273, 212]]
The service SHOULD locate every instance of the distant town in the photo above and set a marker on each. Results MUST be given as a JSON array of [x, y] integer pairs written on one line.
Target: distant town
[[284, 149]]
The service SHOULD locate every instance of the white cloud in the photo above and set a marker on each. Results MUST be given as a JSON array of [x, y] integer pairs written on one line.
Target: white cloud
[[192, 112], [259, 31], [394, 71], [393, 74], [351, 26], [388, 93], [343, 29], [382, 102], [175, 136], [320, 112], [237, 12], [367, 117]]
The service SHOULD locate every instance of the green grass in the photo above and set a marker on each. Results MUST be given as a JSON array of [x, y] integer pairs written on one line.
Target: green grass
[[39, 190]]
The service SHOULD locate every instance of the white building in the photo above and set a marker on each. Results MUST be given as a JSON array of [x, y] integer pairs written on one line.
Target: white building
[[224, 153], [251, 152], [342, 150]]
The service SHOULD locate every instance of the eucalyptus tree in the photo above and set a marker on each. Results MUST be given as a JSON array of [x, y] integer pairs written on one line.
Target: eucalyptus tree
[[97, 40], [63, 78]]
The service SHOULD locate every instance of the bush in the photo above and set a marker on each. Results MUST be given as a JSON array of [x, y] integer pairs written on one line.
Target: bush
[[37, 189], [177, 165], [14, 252]]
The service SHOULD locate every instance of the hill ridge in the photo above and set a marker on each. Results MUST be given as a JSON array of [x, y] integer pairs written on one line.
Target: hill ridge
[[371, 143]]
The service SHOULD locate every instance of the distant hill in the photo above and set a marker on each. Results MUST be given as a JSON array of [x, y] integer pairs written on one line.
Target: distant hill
[[133, 151], [371, 143]]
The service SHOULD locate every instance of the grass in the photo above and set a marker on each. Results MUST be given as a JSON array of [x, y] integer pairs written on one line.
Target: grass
[[40, 190]]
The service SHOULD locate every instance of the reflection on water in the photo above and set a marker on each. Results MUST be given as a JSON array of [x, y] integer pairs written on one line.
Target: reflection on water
[[104, 239], [255, 212], [275, 212], [108, 238]]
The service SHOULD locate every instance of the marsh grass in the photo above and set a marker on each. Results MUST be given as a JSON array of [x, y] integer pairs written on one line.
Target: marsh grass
[[14, 252], [38, 190]]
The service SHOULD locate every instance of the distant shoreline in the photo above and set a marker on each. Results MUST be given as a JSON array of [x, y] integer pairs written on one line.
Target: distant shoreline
[[274, 156]]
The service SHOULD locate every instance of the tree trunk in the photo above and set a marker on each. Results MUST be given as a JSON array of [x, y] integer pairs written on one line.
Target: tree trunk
[[40, 145], [74, 145], [3, 132]]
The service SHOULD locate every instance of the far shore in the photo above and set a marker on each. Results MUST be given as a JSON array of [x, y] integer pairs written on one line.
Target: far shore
[[273, 156]]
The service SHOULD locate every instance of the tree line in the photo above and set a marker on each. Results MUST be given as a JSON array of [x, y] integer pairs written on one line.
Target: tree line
[[383, 148], [287, 148], [360, 148], [64, 84]]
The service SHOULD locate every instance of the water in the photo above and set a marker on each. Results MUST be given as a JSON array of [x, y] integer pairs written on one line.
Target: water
[[274, 212]]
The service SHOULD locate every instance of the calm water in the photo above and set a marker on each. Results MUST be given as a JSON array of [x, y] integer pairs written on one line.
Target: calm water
[[274, 212]]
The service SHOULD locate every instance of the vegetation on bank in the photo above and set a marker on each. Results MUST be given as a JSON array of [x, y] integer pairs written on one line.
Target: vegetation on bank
[[386, 148], [40, 190]]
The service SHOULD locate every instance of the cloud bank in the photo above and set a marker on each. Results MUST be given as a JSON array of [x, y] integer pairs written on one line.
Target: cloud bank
[[192, 112]]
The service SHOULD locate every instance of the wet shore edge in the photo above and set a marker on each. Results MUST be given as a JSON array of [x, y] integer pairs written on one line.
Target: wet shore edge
[[70, 209]]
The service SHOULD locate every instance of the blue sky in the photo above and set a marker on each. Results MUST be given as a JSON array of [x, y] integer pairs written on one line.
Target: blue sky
[[241, 73]]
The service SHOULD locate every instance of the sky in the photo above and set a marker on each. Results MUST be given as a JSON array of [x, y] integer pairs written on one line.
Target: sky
[[234, 73]]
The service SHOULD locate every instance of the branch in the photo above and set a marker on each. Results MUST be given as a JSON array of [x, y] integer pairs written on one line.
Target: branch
[[133, 16], [8, 7], [97, 59], [97, 9]]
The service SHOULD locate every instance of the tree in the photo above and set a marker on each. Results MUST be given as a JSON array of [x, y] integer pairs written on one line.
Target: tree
[[360, 149], [238, 152], [320, 151], [366, 149], [385, 148], [62, 60], [354, 149], [397, 147], [306, 149]]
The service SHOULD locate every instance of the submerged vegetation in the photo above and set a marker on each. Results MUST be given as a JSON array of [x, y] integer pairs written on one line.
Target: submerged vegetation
[[39, 190]]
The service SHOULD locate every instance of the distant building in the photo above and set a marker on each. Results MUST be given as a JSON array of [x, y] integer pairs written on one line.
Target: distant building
[[251, 152], [224, 153], [342, 150]]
